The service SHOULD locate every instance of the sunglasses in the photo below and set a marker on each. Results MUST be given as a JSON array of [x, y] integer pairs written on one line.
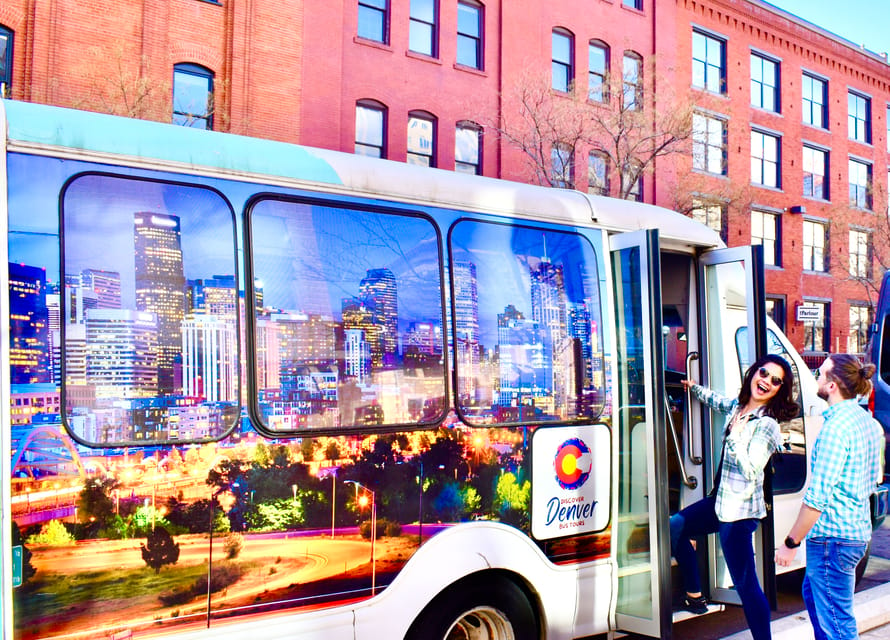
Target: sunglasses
[[763, 373]]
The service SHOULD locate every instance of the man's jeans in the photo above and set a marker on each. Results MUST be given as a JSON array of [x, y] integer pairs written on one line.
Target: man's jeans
[[736, 539], [828, 586]]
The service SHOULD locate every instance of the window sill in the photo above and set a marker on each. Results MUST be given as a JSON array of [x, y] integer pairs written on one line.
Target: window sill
[[473, 70], [376, 44], [422, 57], [767, 187], [809, 272]]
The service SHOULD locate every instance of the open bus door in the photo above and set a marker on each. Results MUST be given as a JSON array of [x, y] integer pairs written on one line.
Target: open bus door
[[640, 534], [732, 308]]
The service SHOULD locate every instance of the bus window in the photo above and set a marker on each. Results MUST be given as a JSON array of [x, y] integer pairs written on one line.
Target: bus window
[[149, 312], [527, 321], [789, 468], [348, 317]]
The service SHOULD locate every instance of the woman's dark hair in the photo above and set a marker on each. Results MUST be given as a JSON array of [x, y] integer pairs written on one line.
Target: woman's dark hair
[[851, 376], [782, 405]]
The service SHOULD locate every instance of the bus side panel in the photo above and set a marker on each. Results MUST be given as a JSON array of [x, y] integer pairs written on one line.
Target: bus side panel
[[144, 499]]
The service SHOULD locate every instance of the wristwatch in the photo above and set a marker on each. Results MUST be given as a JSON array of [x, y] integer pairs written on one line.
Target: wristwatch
[[790, 543]]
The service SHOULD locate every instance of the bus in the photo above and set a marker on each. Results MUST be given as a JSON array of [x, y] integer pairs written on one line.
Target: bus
[[879, 353], [253, 389]]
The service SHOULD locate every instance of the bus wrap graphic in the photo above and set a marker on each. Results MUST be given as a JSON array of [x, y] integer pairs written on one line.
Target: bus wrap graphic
[[572, 464], [570, 492]]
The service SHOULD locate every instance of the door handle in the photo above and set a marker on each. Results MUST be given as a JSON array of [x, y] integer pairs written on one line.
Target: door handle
[[690, 357]]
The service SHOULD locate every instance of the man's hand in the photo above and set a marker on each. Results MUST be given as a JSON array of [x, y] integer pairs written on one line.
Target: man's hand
[[785, 556]]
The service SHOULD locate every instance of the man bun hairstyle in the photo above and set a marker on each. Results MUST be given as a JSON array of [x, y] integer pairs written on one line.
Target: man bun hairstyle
[[853, 378]]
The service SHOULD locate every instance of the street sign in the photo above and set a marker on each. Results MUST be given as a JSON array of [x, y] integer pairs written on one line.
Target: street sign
[[809, 313], [17, 566]]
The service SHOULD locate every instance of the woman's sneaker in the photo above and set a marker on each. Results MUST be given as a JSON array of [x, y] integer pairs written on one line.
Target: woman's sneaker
[[696, 605]]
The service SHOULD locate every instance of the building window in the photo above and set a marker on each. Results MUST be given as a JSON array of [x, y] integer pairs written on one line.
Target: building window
[[765, 231], [632, 183], [562, 167], [775, 309], [815, 101], [815, 168], [708, 62], [816, 332], [859, 322], [633, 4], [468, 148], [860, 184], [859, 117], [423, 34], [765, 159], [421, 139], [563, 62], [373, 20], [815, 242], [5, 62], [708, 144], [598, 173], [192, 96], [712, 214], [370, 129], [632, 76], [860, 254], [598, 72], [469, 35], [764, 83]]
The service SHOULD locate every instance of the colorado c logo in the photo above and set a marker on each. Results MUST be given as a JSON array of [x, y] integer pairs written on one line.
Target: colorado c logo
[[572, 463]]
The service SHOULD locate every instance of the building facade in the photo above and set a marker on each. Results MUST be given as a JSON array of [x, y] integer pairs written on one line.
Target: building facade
[[787, 148]]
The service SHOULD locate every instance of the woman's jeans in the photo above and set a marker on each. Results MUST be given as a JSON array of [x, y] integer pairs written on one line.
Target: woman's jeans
[[736, 539], [828, 586]]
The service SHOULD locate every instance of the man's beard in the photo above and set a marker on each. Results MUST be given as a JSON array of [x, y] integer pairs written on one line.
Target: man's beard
[[822, 394]]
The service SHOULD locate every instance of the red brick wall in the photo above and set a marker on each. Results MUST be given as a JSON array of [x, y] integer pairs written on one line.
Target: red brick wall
[[293, 71]]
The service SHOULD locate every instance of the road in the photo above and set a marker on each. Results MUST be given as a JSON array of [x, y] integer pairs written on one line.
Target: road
[[719, 625]]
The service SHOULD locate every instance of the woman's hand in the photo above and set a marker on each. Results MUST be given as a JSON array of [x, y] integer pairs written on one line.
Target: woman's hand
[[686, 384]]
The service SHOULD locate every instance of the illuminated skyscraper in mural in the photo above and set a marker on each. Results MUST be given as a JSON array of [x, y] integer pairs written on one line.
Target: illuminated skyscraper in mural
[[379, 292], [466, 323], [29, 325], [160, 286]]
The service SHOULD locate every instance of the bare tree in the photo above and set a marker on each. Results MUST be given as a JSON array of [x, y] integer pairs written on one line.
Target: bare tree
[[623, 120]]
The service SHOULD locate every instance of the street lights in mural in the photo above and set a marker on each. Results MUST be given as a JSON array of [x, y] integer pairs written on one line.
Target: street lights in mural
[[213, 496], [363, 500]]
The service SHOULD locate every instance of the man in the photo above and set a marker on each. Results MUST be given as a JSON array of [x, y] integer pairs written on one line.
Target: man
[[835, 516]]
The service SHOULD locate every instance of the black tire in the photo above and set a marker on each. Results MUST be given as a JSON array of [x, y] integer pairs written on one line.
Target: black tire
[[863, 564], [488, 608]]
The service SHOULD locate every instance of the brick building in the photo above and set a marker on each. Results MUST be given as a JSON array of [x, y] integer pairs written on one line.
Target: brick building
[[789, 145]]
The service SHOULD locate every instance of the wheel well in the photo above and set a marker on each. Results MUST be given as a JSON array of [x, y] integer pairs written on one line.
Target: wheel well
[[490, 578]]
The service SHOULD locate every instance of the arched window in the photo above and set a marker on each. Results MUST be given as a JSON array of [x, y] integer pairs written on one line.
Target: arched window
[[632, 74], [422, 139], [598, 71], [370, 128], [192, 96], [468, 148], [563, 61], [5, 61]]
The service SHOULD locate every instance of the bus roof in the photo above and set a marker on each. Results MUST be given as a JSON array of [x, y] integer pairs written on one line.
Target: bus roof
[[37, 127]]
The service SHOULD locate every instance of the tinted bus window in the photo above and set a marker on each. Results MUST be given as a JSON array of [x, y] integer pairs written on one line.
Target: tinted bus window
[[149, 312], [348, 331], [527, 325]]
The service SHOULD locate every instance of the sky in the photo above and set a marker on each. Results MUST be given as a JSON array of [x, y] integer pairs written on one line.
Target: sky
[[863, 22]]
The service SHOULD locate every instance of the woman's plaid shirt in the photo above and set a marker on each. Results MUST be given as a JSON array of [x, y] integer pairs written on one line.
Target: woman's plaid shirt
[[747, 449]]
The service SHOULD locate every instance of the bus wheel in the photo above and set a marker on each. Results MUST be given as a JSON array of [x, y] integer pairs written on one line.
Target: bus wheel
[[860, 568], [491, 609]]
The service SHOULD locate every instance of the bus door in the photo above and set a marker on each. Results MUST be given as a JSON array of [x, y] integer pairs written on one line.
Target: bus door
[[640, 534], [731, 296]]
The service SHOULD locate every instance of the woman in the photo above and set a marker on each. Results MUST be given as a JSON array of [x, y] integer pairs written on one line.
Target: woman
[[733, 509]]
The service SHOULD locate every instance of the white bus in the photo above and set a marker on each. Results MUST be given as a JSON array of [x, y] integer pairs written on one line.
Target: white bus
[[252, 389]]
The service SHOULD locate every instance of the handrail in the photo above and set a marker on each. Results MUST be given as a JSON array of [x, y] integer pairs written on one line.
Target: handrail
[[693, 355], [688, 480]]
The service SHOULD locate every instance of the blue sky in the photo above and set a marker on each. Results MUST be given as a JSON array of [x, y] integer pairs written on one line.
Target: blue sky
[[863, 22]]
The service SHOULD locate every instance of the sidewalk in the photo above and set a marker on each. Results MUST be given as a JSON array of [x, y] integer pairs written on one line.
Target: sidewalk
[[872, 608]]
